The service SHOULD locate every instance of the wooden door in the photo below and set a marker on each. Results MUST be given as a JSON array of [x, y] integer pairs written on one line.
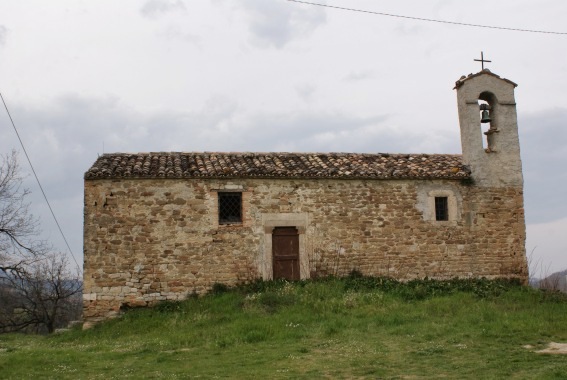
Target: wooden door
[[285, 252]]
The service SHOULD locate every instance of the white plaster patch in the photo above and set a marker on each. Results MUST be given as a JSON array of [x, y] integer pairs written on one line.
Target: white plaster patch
[[89, 297]]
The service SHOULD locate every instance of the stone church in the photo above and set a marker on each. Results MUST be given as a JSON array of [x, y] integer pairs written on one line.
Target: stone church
[[160, 226]]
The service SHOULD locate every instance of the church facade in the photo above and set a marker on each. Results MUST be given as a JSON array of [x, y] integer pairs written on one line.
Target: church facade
[[161, 226]]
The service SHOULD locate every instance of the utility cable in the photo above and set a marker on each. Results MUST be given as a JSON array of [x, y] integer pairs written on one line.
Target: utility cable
[[39, 183], [427, 19]]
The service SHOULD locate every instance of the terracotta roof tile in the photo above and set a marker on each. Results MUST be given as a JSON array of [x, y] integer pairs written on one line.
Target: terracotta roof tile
[[278, 165]]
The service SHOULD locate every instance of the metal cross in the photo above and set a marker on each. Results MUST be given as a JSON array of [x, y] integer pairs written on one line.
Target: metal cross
[[482, 60]]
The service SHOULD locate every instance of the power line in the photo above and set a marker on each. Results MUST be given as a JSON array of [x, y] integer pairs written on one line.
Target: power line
[[39, 183], [427, 19]]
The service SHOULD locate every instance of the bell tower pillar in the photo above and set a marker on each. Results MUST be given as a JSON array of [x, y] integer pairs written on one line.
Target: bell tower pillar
[[491, 149]]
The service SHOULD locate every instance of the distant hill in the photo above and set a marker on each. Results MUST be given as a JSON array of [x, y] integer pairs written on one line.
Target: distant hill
[[555, 281]]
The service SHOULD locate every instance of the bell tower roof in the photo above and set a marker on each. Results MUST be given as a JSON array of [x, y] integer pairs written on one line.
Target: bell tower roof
[[463, 78]]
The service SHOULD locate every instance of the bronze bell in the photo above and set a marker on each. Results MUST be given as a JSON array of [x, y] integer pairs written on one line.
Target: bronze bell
[[485, 114], [485, 117]]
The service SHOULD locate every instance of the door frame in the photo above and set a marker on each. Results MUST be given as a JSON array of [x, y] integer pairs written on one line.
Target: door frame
[[269, 222]]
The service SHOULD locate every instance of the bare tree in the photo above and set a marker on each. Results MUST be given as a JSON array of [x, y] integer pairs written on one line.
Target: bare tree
[[19, 230], [42, 297], [38, 292]]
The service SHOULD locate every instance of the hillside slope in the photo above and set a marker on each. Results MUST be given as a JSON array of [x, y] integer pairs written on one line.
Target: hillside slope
[[351, 328]]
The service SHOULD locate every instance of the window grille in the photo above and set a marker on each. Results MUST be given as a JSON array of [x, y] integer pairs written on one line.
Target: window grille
[[230, 208], [441, 208]]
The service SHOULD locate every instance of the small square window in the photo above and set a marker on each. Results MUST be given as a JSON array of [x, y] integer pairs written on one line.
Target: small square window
[[441, 208], [230, 208]]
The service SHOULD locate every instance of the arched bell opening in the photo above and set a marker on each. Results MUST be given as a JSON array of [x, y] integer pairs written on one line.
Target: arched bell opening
[[488, 109]]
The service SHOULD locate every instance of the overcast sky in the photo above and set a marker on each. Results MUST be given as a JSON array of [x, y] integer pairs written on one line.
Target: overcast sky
[[83, 77]]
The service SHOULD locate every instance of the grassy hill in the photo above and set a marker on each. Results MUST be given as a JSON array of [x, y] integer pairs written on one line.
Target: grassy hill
[[355, 327]]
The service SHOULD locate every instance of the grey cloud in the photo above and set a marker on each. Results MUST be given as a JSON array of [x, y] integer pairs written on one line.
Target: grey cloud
[[325, 132], [543, 140], [355, 76], [274, 24], [156, 8], [68, 134], [176, 33], [64, 137], [305, 91], [406, 29], [3, 34]]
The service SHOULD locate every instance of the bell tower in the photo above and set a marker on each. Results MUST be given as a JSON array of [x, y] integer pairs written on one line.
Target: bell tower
[[489, 129]]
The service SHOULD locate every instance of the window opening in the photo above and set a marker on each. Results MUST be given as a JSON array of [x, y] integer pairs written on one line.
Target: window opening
[[441, 208], [230, 208]]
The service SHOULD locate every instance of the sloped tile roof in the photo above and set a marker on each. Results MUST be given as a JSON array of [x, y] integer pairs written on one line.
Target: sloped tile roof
[[278, 165]]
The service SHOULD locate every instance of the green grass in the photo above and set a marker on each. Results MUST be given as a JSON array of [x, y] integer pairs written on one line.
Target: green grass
[[351, 328]]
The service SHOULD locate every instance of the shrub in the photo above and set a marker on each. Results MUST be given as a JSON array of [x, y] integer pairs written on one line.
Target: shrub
[[169, 306], [219, 288]]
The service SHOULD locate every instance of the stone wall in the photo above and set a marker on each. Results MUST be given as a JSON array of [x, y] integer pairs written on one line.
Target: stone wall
[[151, 240]]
